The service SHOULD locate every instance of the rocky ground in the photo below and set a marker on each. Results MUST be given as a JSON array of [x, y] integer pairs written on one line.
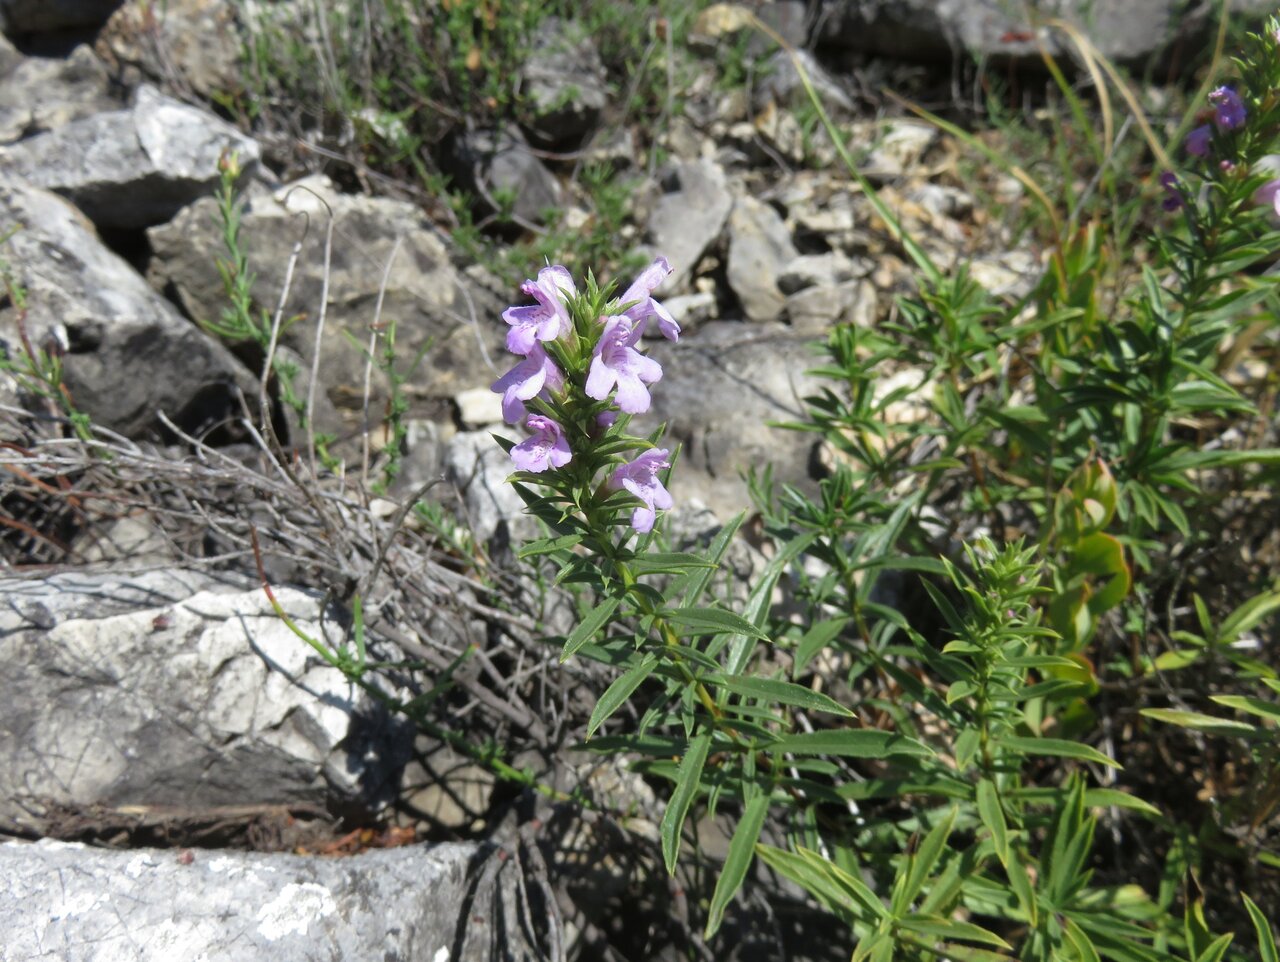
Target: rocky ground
[[156, 706]]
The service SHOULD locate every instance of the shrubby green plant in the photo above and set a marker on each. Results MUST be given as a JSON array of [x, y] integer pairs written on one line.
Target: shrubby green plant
[[922, 737], [918, 807]]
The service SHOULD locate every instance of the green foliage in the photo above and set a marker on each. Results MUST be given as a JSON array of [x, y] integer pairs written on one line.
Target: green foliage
[[242, 320], [1037, 486]]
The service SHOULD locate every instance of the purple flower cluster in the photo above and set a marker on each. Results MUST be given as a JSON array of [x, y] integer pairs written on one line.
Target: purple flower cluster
[[1228, 114], [617, 368]]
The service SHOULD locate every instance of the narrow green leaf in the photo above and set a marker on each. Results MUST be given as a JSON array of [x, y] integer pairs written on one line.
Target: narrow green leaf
[[587, 628], [1216, 949], [1199, 721], [921, 863], [779, 692], [942, 928], [811, 878], [617, 693], [1081, 942], [1249, 615], [1040, 661], [658, 746], [688, 781], [667, 562], [1020, 882], [1108, 797], [548, 545], [968, 953], [851, 743], [741, 850], [874, 949], [758, 605], [715, 621], [814, 640], [1178, 658], [992, 814], [1266, 941], [1057, 747], [1254, 706]]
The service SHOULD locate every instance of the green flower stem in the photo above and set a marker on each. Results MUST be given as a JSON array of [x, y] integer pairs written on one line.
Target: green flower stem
[[672, 645]]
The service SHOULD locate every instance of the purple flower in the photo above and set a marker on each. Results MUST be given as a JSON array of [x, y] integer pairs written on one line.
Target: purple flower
[[617, 362], [535, 374], [547, 448], [1268, 195], [1173, 192], [644, 307], [640, 478], [1198, 140], [546, 320], [1228, 109]]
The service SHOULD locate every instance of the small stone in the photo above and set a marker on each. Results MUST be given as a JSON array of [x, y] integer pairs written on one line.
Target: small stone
[[782, 83], [814, 309], [759, 249], [690, 310], [899, 146], [563, 83], [1011, 274], [816, 270], [478, 406], [689, 217]]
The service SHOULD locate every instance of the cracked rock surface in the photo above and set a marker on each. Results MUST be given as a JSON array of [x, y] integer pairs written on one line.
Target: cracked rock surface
[[70, 903], [170, 690]]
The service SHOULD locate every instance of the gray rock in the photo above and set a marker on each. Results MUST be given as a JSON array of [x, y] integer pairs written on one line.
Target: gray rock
[[36, 16], [479, 469], [759, 250], [691, 310], [1129, 31], [899, 145], [782, 84], [718, 392], [424, 294], [172, 690], [130, 353], [132, 168], [43, 93], [70, 903], [814, 310], [788, 18], [500, 167], [191, 44], [563, 82], [688, 218], [819, 270]]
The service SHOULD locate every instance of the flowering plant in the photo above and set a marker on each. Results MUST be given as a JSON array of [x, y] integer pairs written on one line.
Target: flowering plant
[[583, 375]]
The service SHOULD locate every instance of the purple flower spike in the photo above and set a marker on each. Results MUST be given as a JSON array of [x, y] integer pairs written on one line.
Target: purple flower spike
[[640, 478], [1198, 141], [546, 320], [645, 307], [1173, 192], [546, 449], [617, 362], [535, 374], [1228, 109]]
